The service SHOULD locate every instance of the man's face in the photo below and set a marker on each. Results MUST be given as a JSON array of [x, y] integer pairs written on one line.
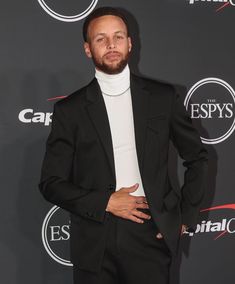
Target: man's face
[[108, 44]]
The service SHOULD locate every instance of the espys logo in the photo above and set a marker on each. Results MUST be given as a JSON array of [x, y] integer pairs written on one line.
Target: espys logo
[[84, 9], [226, 3], [56, 235], [222, 227], [211, 102]]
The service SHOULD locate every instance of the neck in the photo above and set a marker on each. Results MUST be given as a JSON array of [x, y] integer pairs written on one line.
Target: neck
[[114, 84]]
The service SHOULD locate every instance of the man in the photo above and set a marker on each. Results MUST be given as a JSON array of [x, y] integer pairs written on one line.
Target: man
[[106, 163]]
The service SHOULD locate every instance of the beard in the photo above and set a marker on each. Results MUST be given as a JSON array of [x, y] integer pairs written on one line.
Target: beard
[[111, 69]]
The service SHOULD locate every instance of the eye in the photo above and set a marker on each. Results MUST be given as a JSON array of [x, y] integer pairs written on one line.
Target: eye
[[100, 39], [120, 37]]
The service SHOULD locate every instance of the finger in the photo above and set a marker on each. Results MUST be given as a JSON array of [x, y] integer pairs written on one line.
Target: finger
[[159, 236], [135, 219], [130, 188], [142, 205], [183, 229], [140, 199], [141, 214]]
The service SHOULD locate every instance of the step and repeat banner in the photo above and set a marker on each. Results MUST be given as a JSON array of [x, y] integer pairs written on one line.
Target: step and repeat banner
[[187, 42]]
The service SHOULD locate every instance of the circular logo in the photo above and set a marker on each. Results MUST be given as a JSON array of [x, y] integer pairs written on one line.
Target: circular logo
[[56, 235], [82, 14], [211, 104]]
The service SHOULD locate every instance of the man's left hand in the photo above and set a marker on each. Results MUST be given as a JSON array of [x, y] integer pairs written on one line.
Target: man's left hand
[[183, 229]]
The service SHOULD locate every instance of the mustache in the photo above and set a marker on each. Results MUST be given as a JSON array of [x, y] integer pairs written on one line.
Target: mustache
[[112, 52]]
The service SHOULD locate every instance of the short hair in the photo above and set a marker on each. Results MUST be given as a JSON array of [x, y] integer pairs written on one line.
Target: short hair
[[104, 11]]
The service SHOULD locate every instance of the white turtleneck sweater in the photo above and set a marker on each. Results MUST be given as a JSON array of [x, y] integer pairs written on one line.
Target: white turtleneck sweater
[[117, 97]]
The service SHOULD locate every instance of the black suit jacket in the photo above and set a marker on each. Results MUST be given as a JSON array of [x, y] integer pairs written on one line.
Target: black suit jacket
[[78, 171]]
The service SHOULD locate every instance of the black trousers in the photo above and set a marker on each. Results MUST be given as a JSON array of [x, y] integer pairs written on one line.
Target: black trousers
[[133, 255]]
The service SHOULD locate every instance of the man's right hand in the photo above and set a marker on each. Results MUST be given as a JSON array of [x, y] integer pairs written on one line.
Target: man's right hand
[[124, 205]]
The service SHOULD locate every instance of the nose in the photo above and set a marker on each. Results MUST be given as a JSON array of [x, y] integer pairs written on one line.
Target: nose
[[111, 43]]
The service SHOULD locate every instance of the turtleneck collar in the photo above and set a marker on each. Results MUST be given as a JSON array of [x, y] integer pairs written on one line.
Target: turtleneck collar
[[114, 85]]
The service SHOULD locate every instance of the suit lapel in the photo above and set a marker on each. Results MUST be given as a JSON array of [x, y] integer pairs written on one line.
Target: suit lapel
[[97, 112], [140, 103]]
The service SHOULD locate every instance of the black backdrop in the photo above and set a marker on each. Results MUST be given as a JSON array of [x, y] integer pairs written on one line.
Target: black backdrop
[[189, 43]]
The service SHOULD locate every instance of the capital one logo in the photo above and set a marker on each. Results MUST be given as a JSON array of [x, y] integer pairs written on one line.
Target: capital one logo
[[211, 103], [84, 7], [56, 234], [29, 115], [219, 227]]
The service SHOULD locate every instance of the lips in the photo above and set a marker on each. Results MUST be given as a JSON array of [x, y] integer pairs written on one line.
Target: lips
[[112, 55]]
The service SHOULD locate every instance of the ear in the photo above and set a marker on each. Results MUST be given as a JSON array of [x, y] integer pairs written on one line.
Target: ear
[[87, 49], [129, 44]]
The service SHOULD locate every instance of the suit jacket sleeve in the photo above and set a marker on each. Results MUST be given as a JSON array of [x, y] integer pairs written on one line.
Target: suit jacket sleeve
[[188, 143], [55, 183]]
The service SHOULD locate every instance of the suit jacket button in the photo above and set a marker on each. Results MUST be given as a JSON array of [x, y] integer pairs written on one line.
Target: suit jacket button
[[111, 186]]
